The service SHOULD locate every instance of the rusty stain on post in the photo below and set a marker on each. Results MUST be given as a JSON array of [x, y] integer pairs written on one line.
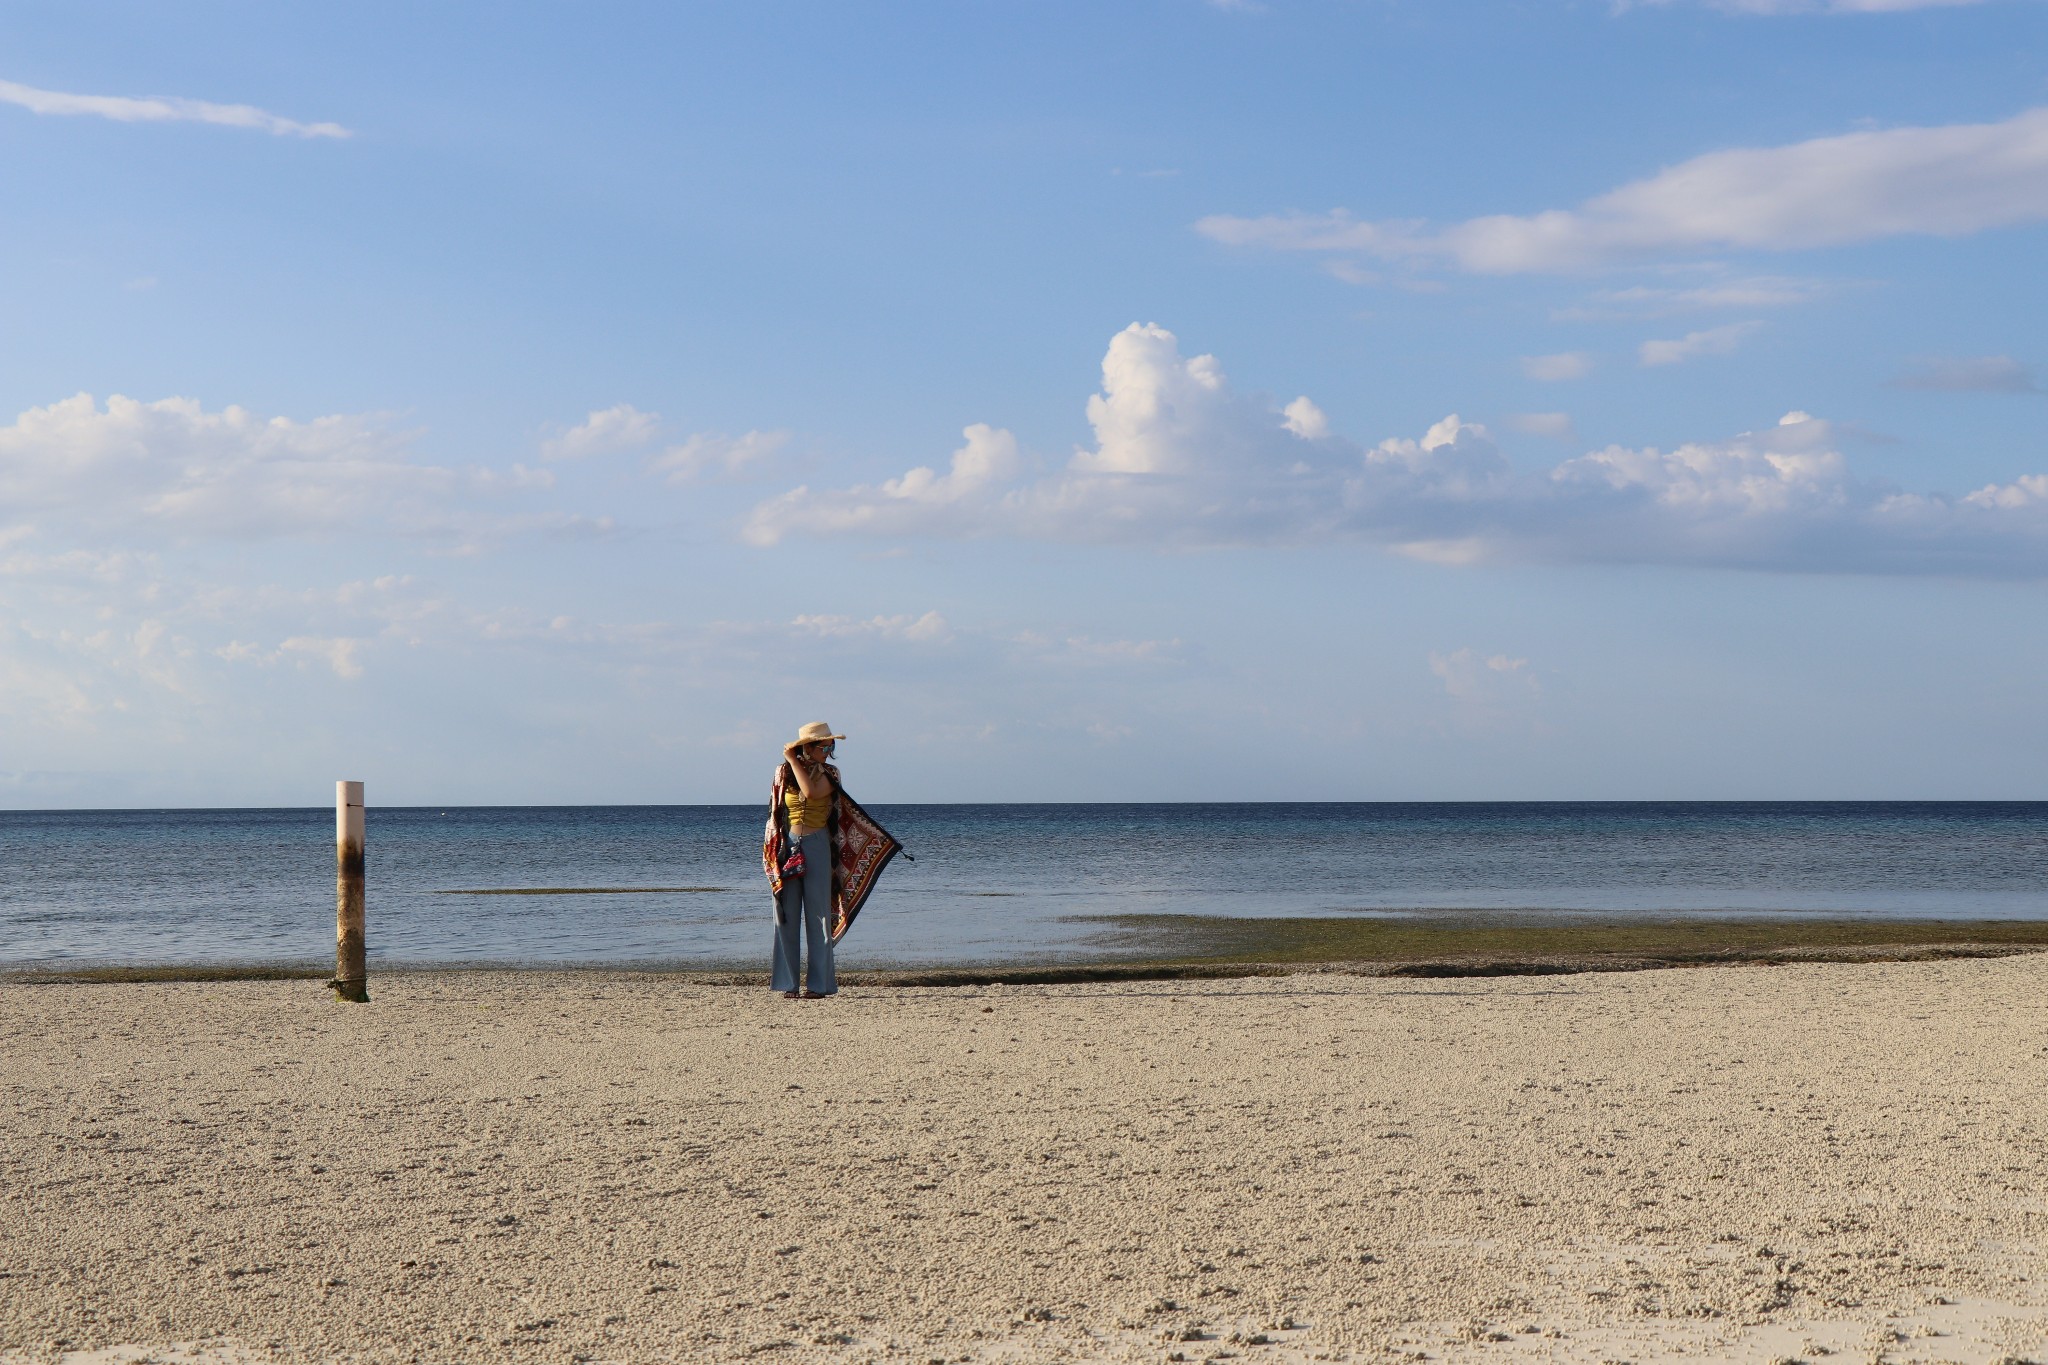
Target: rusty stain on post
[[351, 977]]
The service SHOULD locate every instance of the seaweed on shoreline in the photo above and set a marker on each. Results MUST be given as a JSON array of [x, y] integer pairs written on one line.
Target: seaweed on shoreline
[[1674, 939], [1209, 948]]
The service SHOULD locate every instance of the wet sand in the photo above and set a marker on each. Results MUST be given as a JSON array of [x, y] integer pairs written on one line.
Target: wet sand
[[1729, 1164]]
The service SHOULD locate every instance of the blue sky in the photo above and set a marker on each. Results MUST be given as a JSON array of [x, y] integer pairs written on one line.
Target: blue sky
[[1309, 399]]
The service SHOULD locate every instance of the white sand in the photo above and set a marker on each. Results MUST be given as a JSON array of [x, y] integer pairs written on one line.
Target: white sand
[[1728, 1164]]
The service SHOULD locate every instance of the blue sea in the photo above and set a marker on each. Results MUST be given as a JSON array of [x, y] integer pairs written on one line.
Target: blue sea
[[989, 884]]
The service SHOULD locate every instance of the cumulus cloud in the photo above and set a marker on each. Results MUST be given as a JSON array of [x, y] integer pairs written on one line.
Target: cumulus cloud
[[908, 504], [1711, 341], [620, 427], [1976, 374], [1946, 181], [1305, 419], [174, 469], [1559, 367], [2027, 491], [1178, 455], [162, 109], [1181, 457]]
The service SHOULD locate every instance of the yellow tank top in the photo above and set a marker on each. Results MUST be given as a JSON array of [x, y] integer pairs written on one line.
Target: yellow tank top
[[811, 814]]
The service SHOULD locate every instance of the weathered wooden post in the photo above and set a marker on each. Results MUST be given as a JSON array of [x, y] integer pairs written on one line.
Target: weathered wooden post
[[351, 977]]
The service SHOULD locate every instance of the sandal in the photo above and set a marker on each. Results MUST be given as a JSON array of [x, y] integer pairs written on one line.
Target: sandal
[[791, 995]]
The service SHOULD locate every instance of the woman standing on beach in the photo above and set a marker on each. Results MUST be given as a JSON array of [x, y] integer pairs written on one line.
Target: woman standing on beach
[[804, 810]]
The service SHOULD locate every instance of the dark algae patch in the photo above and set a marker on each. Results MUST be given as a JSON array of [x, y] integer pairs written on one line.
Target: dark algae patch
[[1204, 939], [1197, 947], [1204, 947], [172, 971]]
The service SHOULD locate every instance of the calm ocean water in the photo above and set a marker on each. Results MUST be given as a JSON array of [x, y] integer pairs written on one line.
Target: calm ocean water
[[989, 883]]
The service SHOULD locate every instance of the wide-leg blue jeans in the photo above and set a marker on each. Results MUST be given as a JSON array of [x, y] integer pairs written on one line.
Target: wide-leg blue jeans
[[807, 901]]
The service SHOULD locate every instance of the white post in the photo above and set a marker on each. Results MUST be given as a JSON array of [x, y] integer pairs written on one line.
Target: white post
[[351, 977]]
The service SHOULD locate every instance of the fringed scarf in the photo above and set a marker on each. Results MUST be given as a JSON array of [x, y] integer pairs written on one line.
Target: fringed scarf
[[861, 848]]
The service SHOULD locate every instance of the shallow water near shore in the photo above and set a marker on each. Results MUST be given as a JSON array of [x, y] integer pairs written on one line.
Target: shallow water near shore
[[682, 884]]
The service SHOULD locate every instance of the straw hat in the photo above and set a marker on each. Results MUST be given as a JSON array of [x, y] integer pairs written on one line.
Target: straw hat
[[816, 732]]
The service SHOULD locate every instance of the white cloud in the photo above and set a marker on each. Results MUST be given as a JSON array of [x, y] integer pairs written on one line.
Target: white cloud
[[2028, 490], [1789, 468], [621, 427], [1454, 458], [1945, 181], [162, 109], [1178, 455], [1712, 341], [1181, 458], [1975, 374], [710, 452], [1556, 368], [1305, 419], [904, 505], [1557, 425], [172, 469]]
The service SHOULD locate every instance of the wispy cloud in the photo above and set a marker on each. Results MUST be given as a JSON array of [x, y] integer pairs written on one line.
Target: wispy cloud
[[1975, 374], [1557, 425], [1181, 458], [623, 427], [162, 109], [1468, 675], [1559, 367], [338, 654], [1941, 181], [710, 452], [1486, 691], [1779, 7], [1657, 301], [929, 626], [1711, 341], [619, 427]]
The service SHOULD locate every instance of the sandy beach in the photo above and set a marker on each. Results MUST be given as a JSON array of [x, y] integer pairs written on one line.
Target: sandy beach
[[1735, 1163]]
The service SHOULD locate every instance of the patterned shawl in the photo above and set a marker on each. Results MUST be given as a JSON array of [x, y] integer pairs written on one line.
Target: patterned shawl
[[861, 848]]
